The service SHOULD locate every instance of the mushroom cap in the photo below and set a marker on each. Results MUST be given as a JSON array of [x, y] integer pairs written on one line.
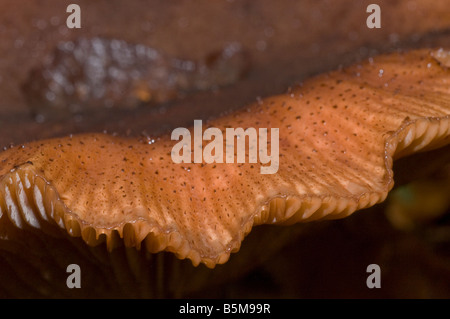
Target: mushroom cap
[[339, 134]]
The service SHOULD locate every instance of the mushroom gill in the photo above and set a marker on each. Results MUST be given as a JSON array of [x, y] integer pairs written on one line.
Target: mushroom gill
[[338, 136]]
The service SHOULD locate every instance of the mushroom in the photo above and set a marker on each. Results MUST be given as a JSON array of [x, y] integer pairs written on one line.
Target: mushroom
[[339, 134]]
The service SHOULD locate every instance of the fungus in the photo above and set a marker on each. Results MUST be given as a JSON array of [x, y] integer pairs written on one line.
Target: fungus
[[339, 134]]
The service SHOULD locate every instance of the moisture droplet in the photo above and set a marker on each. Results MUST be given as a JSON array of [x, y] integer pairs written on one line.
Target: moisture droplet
[[259, 100]]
